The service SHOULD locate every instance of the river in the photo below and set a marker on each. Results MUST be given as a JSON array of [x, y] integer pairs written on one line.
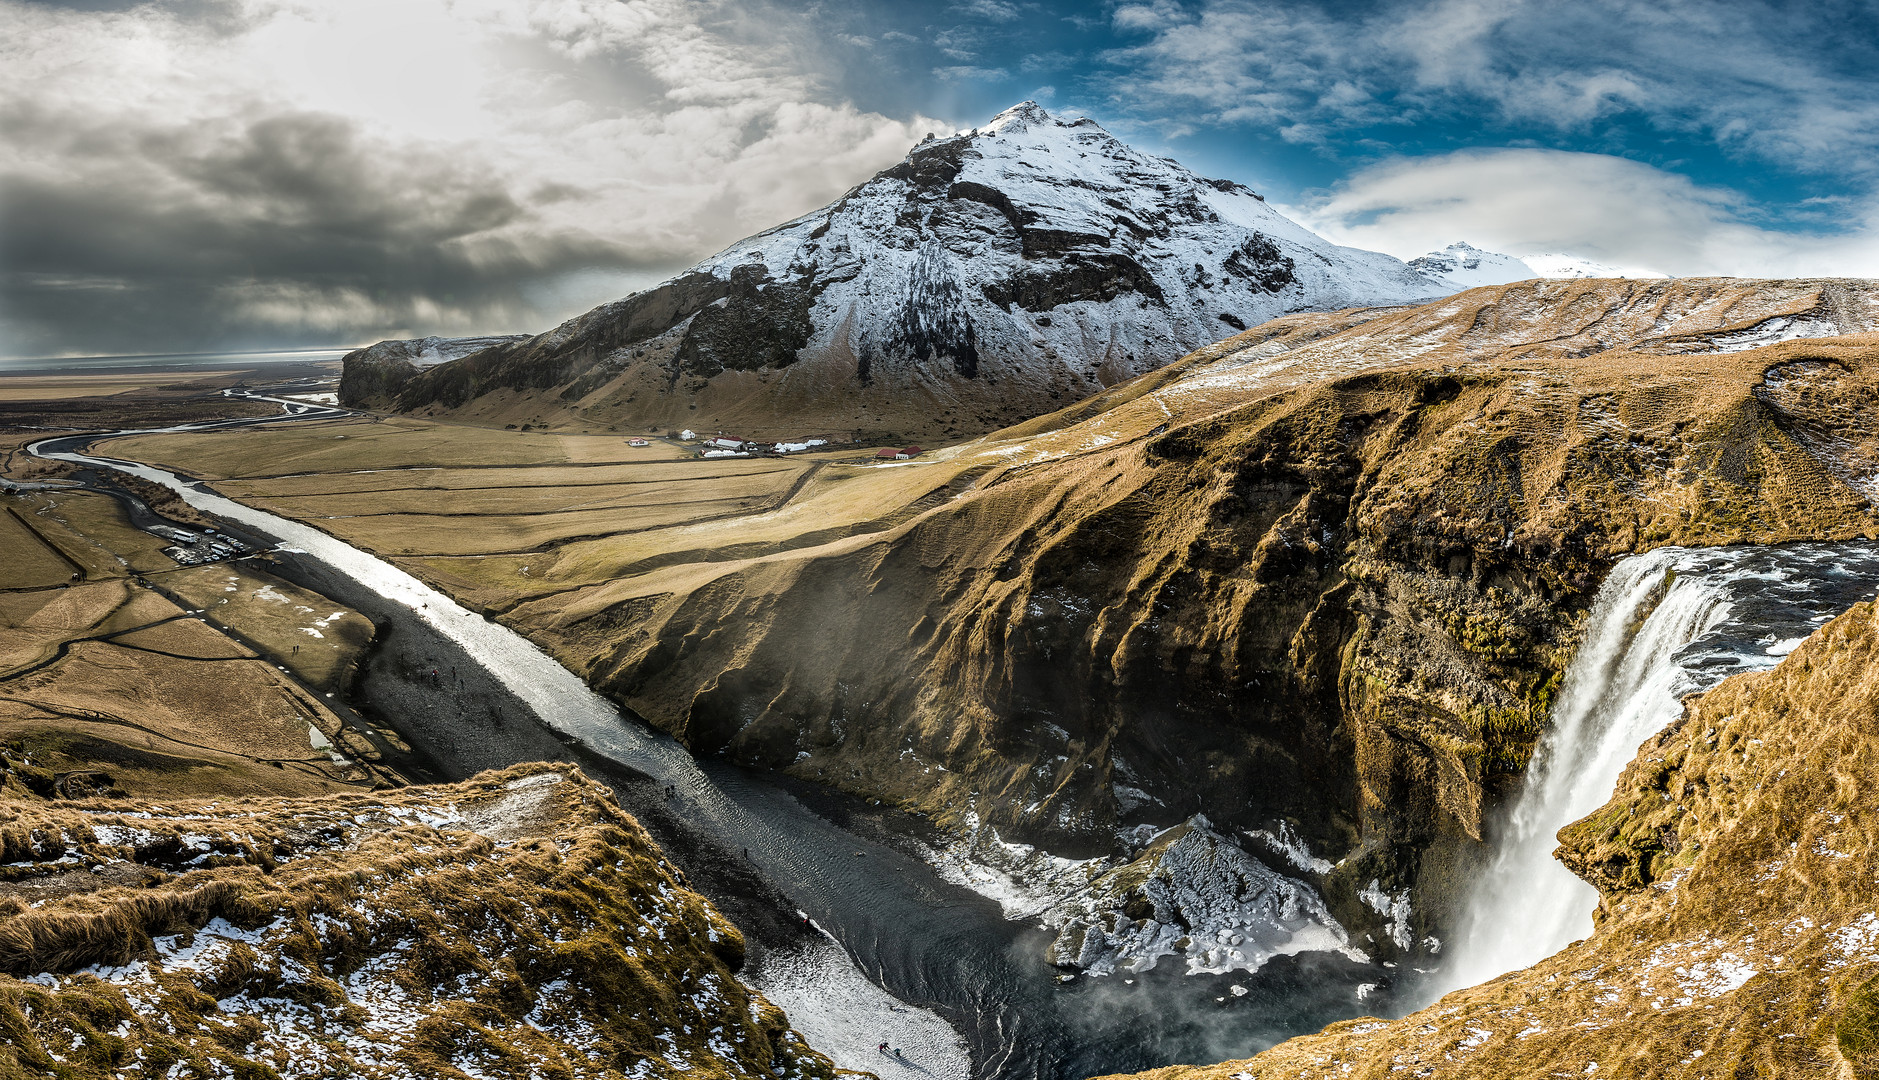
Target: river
[[944, 951]]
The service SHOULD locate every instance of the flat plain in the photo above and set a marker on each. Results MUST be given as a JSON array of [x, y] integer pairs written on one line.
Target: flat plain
[[63, 387], [499, 517], [123, 672]]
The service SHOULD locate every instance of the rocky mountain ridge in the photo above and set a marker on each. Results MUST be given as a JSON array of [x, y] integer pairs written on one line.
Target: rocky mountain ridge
[[990, 276]]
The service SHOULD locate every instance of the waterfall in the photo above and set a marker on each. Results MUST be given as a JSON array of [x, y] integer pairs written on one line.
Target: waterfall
[[1664, 625]]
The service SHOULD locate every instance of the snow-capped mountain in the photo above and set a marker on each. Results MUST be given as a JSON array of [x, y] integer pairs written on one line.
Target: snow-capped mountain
[[990, 276], [1464, 266], [1554, 265]]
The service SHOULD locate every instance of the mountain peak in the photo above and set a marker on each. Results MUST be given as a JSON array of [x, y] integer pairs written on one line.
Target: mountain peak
[[1464, 266], [981, 280], [1021, 117]]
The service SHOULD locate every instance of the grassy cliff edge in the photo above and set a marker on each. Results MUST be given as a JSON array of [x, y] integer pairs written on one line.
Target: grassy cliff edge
[[517, 924]]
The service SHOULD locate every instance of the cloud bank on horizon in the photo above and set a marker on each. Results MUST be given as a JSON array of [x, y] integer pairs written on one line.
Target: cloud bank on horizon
[[251, 173]]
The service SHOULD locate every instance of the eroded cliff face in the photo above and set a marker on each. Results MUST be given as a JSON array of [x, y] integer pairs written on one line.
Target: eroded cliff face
[[373, 376], [1319, 581], [517, 924], [1736, 934]]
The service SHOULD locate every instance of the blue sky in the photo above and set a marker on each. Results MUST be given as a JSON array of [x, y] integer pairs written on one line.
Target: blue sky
[[1322, 103], [244, 173], [1773, 106]]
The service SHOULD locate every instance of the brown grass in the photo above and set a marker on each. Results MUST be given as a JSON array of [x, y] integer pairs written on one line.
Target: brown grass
[[31, 563], [185, 637], [533, 929], [319, 641]]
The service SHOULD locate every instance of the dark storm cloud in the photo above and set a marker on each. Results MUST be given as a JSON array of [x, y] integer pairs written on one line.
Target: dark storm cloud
[[247, 174], [188, 238]]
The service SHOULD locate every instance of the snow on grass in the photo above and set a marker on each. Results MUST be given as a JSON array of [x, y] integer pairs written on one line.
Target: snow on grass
[[1855, 940]]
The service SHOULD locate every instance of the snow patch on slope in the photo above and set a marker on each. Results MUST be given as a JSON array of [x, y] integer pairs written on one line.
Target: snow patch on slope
[[1772, 331], [1463, 266], [1556, 265]]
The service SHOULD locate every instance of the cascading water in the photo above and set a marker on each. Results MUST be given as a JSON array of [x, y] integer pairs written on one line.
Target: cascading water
[[1664, 625]]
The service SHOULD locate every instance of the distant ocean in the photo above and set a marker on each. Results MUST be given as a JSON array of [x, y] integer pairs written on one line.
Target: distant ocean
[[164, 361]]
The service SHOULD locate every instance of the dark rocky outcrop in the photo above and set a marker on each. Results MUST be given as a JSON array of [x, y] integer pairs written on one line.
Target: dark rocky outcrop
[[373, 377], [759, 324]]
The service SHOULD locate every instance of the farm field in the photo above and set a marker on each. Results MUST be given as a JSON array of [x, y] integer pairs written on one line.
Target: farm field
[[123, 673], [501, 517], [364, 444], [311, 636]]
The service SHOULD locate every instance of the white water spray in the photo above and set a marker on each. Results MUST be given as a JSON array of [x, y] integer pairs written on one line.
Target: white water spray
[[1622, 687], [1664, 625]]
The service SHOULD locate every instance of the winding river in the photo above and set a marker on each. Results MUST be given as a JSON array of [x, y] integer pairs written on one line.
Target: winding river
[[927, 942]]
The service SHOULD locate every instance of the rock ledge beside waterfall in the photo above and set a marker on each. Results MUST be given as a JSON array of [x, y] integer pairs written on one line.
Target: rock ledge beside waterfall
[[1735, 933]]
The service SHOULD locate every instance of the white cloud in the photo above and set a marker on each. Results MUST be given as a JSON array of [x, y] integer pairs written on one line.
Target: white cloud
[[531, 141], [968, 73], [1755, 78], [1157, 15], [990, 10], [1526, 201]]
